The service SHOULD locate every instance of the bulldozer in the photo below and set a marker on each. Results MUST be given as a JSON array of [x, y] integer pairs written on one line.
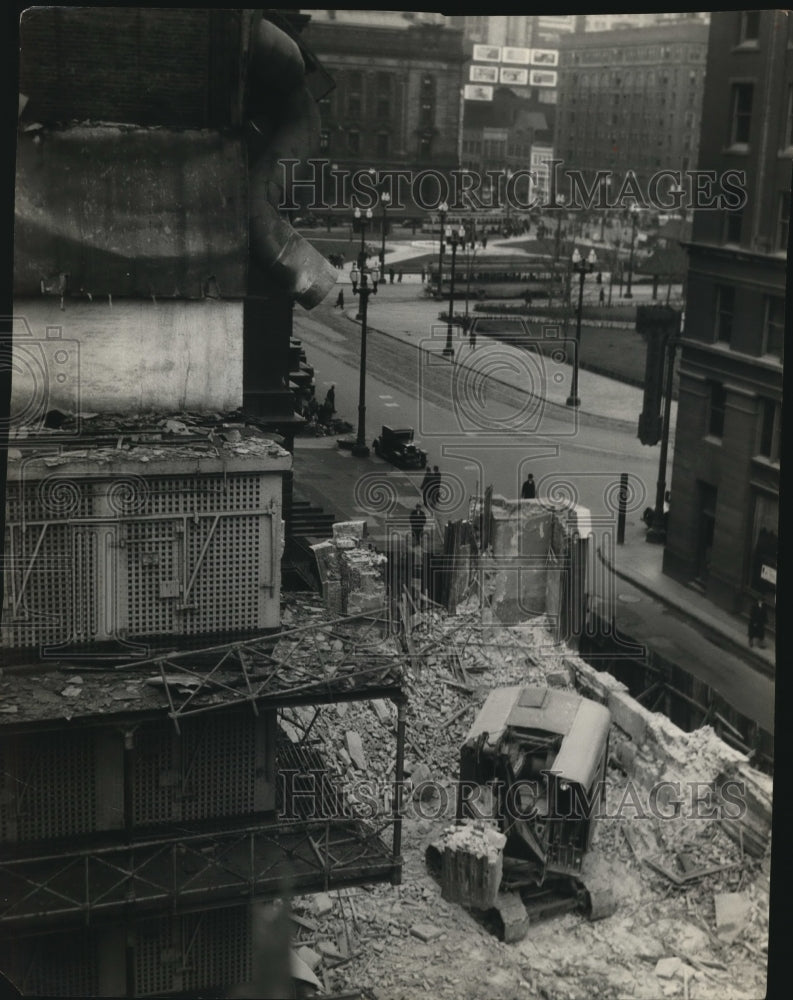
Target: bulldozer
[[531, 780]]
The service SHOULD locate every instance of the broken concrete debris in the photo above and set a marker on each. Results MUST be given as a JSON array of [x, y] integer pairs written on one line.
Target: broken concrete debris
[[733, 910], [655, 918], [352, 574], [355, 750]]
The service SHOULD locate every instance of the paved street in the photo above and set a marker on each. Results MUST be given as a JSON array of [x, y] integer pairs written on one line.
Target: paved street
[[566, 452]]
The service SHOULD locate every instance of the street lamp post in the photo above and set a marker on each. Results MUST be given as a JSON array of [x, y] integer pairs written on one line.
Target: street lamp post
[[363, 275], [559, 209], [443, 208], [457, 238], [657, 530], [582, 268], [607, 183], [385, 198], [634, 217]]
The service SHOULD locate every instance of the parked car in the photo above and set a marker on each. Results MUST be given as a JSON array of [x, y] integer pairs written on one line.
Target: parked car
[[396, 445]]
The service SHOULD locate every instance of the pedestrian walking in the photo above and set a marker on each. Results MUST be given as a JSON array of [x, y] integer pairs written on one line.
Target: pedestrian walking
[[417, 521], [426, 484], [758, 617], [399, 277], [391, 275], [472, 338], [602, 296], [340, 299], [423, 275], [484, 243], [528, 490], [330, 399]]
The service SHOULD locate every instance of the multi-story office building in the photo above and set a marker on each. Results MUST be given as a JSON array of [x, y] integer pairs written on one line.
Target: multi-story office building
[[630, 99], [397, 102], [725, 482], [606, 22]]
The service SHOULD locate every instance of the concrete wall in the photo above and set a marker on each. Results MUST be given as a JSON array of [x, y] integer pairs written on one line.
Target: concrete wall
[[125, 355]]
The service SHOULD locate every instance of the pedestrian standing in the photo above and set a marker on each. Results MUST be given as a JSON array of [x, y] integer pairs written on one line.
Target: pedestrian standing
[[423, 274], [330, 399], [340, 299], [757, 622], [602, 296], [426, 484], [391, 275], [484, 242], [417, 521], [472, 338], [528, 490], [399, 277]]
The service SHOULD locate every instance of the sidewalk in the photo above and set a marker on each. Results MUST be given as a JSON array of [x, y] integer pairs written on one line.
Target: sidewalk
[[652, 609], [415, 321], [603, 401], [640, 563]]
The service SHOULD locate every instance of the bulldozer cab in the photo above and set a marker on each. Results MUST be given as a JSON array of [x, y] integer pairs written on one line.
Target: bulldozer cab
[[537, 756]]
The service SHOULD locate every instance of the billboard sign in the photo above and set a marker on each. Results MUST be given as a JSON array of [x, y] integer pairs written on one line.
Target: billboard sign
[[487, 53], [543, 78], [477, 92], [484, 74], [513, 55], [544, 57], [516, 77]]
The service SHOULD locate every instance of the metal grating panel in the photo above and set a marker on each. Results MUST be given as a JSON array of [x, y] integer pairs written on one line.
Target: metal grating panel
[[193, 952], [55, 783], [59, 965], [217, 948], [219, 767], [207, 771], [153, 773], [180, 555]]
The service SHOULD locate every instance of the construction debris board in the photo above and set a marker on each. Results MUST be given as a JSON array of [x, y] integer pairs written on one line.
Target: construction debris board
[[667, 873]]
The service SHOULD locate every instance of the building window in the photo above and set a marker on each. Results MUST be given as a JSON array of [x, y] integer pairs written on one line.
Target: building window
[[354, 141], [774, 334], [324, 141], [725, 307], [733, 222], [354, 91], [741, 118], [748, 26], [716, 410], [784, 221], [425, 147], [383, 144], [384, 95], [765, 545], [769, 430], [427, 102]]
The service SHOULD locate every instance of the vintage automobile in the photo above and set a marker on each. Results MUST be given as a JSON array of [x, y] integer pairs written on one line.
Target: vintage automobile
[[396, 445]]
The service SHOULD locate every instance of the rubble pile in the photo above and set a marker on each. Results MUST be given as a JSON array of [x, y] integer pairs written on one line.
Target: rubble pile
[[351, 572], [144, 437], [668, 864]]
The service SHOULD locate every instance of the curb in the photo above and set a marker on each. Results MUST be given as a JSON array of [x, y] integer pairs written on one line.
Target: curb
[[707, 626], [584, 416]]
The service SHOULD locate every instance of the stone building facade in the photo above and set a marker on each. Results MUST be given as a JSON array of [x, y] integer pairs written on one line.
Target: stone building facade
[[630, 99], [725, 483]]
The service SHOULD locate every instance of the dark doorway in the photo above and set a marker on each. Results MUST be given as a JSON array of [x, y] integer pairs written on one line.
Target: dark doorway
[[705, 529]]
